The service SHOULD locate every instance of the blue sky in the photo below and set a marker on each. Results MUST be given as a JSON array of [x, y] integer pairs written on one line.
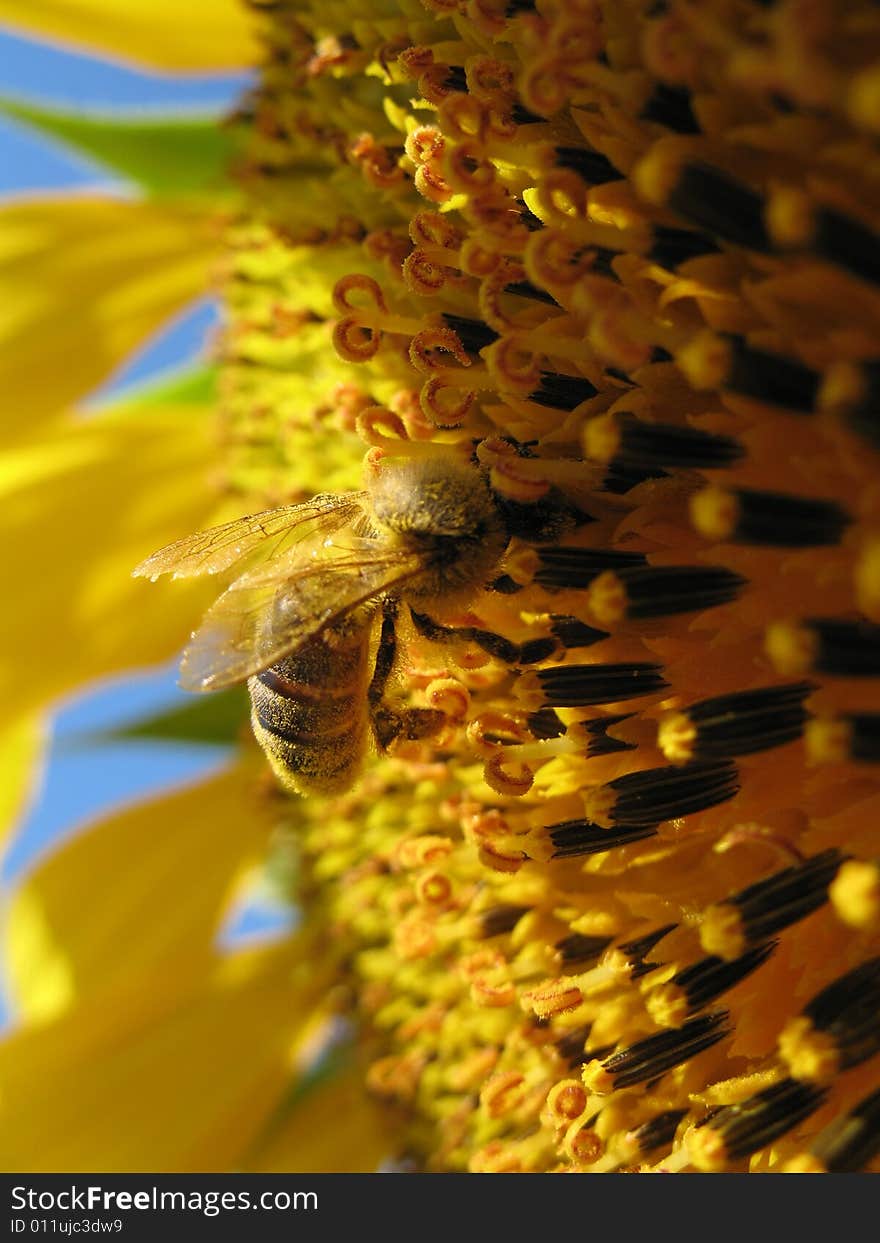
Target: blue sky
[[85, 775]]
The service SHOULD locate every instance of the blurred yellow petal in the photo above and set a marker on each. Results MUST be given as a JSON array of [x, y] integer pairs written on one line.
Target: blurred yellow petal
[[138, 895], [333, 1127], [22, 742], [83, 504], [205, 34], [185, 1087], [83, 282]]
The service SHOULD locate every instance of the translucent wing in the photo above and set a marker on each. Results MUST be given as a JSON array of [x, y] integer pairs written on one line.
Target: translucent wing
[[209, 552], [268, 613]]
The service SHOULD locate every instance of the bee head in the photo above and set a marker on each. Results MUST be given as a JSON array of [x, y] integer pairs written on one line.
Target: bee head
[[443, 510]]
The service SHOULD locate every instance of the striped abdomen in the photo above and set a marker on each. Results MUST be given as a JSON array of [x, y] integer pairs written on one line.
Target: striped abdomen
[[310, 710]]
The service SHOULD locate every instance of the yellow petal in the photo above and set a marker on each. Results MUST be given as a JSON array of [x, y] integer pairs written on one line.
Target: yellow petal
[[138, 895], [83, 504], [184, 1086], [333, 1127], [83, 282], [22, 744], [206, 34]]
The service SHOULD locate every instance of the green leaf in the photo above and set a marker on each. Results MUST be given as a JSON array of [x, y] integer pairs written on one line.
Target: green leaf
[[196, 386], [216, 719], [164, 154]]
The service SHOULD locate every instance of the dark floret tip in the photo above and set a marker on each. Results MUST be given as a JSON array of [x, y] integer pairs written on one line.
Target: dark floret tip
[[662, 591], [627, 440], [846, 648], [848, 1011], [659, 1132], [658, 794], [562, 392], [738, 724], [573, 838], [574, 568], [579, 949], [765, 908], [707, 979], [498, 920], [576, 686], [849, 1143], [754, 1123], [648, 1059]]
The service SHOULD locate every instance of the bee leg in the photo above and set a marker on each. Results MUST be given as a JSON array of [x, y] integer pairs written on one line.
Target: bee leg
[[496, 645], [389, 724], [408, 724], [385, 654]]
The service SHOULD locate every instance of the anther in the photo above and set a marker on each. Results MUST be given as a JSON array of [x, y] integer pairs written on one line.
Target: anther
[[562, 392], [855, 894], [671, 106], [849, 1143], [581, 686], [867, 579], [693, 987], [761, 910], [648, 1059], [573, 633], [671, 247], [751, 517], [720, 204], [736, 1131], [472, 333], [593, 167], [738, 724], [577, 949], [825, 645], [655, 795], [838, 1029], [572, 1050], [571, 839], [853, 389], [854, 736], [622, 477], [575, 568], [634, 952], [545, 724], [507, 586], [623, 438], [525, 289], [846, 243], [498, 920], [726, 361], [661, 591], [600, 742], [659, 1132]]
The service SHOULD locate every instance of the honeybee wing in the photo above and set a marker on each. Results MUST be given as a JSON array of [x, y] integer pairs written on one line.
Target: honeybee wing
[[274, 609], [214, 550]]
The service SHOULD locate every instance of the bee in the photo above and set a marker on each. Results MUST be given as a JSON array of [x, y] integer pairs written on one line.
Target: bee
[[299, 623]]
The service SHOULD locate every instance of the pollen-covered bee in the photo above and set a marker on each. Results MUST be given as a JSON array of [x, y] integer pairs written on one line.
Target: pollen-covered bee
[[299, 623]]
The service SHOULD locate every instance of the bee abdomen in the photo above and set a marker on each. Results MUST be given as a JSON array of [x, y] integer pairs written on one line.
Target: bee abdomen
[[309, 712]]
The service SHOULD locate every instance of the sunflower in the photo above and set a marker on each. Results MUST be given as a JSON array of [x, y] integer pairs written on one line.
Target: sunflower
[[616, 906]]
